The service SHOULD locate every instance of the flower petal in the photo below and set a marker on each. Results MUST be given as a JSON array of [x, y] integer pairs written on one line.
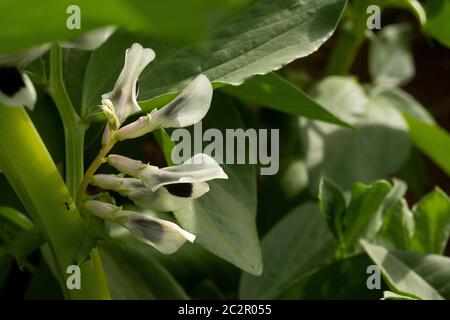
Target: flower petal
[[90, 40], [187, 109], [123, 96], [105, 210], [16, 88], [163, 235], [199, 168], [162, 200]]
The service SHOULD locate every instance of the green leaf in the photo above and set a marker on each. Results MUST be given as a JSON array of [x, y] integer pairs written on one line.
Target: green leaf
[[43, 285], [6, 263], [24, 243], [171, 19], [402, 101], [277, 93], [398, 221], [381, 138], [364, 215], [333, 206], [224, 219], [133, 276], [388, 295], [438, 15], [74, 69], [267, 36], [413, 274], [342, 279], [390, 58], [425, 133], [432, 217], [431, 140], [16, 217], [296, 246], [166, 144]]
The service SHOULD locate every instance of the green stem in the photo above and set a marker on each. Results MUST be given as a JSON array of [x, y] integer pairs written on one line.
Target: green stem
[[347, 46], [32, 173], [74, 127], [350, 39], [96, 164]]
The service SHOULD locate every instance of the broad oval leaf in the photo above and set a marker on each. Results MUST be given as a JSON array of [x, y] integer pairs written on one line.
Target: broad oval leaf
[[267, 36], [132, 276], [297, 245]]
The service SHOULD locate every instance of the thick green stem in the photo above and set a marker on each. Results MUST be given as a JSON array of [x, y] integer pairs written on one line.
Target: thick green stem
[[32, 173], [74, 127]]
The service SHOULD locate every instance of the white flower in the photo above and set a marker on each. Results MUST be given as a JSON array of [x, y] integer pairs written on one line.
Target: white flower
[[168, 198], [16, 88], [165, 236], [187, 109], [91, 40], [199, 168], [123, 96]]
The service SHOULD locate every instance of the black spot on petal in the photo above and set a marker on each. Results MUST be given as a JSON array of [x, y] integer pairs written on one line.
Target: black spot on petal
[[172, 108], [183, 190], [151, 229], [11, 80]]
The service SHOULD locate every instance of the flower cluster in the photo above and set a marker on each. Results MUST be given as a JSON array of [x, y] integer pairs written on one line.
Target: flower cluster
[[150, 187]]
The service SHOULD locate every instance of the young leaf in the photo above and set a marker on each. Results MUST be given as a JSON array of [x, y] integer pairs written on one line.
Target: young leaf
[[297, 245], [364, 214], [333, 206], [432, 217], [398, 227]]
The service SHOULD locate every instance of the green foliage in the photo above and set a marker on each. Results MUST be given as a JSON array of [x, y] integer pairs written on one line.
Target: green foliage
[[381, 138], [224, 218], [240, 49], [132, 276], [390, 60], [438, 13], [19, 30], [275, 92], [337, 205], [412, 274], [288, 254]]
